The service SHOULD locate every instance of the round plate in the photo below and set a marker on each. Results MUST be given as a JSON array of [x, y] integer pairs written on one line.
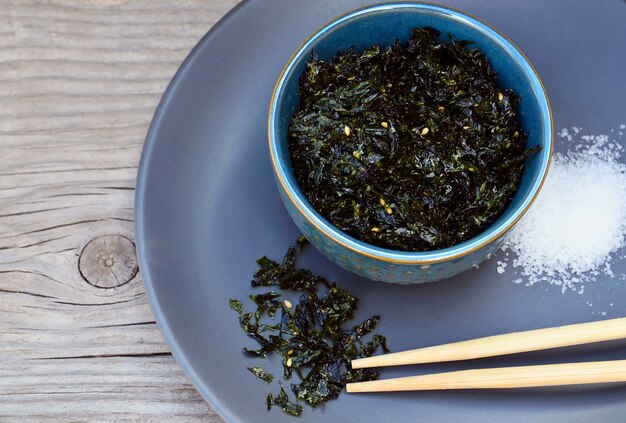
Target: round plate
[[207, 208]]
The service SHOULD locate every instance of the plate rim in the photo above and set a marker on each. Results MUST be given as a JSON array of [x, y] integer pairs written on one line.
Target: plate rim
[[144, 162]]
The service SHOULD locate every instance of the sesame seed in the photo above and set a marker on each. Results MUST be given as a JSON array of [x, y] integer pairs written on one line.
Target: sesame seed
[[375, 229], [381, 201], [500, 96], [346, 129], [290, 352], [389, 210], [289, 362], [424, 131], [384, 125], [441, 108], [356, 154], [288, 304]]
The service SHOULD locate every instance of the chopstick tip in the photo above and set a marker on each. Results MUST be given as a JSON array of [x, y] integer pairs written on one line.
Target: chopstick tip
[[357, 364]]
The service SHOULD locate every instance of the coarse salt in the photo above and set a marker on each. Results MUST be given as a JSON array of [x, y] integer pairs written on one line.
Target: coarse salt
[[578, 222]]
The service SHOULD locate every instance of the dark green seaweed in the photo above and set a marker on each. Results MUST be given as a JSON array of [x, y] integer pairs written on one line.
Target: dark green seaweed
[[261, 374], [311, 334], [411, 147], [283, 402]]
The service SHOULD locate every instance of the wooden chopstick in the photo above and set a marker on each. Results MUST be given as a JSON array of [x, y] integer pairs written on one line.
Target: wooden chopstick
[[533, 340], [506, 377]]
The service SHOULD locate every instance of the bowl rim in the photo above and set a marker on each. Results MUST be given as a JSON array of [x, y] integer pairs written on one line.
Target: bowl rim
[[484, 238]]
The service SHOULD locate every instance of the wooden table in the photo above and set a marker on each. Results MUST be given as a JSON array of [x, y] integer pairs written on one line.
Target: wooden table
[[80, 80]]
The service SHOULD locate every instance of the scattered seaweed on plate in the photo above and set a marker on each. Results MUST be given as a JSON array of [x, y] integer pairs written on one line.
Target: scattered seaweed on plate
[[261, 374], [282, 400], [310, 334]]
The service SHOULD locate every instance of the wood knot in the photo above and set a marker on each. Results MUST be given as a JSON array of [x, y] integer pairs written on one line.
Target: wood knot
[[108, 261]]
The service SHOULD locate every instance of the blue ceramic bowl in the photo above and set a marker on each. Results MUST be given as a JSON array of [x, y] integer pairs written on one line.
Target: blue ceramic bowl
[[382, 24]]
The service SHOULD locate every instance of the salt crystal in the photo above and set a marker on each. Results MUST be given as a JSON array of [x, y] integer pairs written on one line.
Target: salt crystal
[[565, 134], [578, 221]]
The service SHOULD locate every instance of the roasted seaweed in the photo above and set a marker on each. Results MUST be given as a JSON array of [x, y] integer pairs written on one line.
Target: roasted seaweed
[[310, 335], [261, 374], [412, 147], [282, 400]]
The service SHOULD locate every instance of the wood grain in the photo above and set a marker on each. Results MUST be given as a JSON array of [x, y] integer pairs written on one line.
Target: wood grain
[[80, 82]]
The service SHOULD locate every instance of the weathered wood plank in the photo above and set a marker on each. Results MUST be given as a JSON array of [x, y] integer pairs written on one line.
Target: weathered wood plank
[[80, 82]]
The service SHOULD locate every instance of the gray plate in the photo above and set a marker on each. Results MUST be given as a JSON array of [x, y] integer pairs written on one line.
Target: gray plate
[[207, 208]]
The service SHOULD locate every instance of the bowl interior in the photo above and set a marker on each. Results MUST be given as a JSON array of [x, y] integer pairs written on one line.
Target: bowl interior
[[383, 25]]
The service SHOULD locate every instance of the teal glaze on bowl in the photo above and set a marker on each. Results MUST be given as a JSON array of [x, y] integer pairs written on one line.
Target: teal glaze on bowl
[[382, 24]]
